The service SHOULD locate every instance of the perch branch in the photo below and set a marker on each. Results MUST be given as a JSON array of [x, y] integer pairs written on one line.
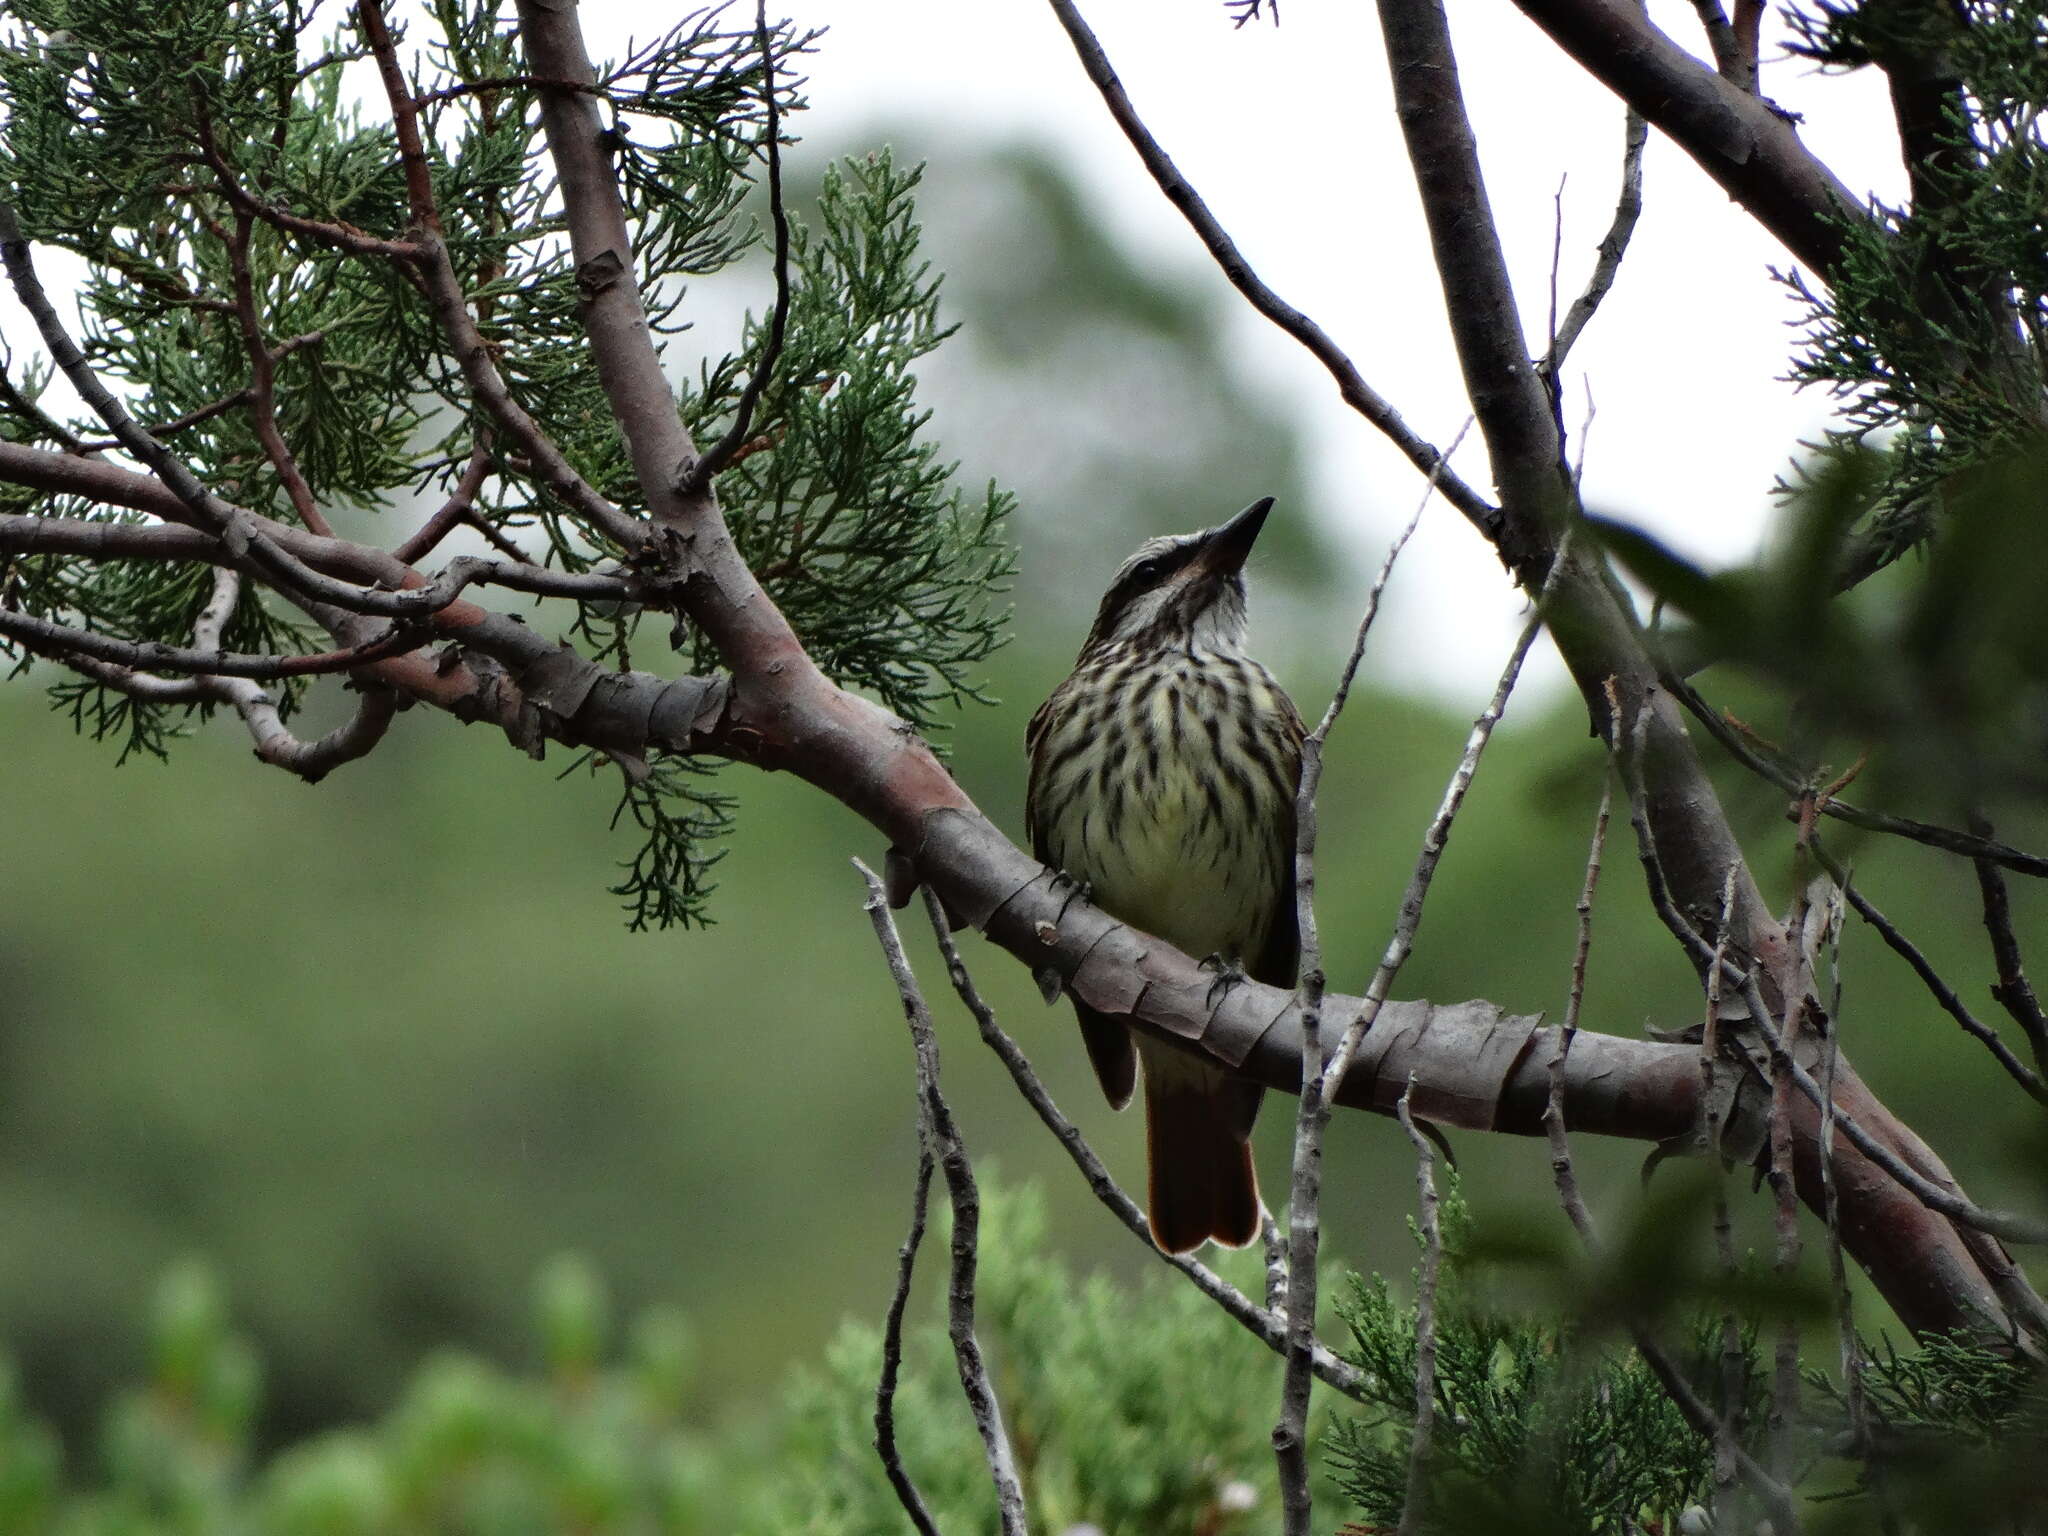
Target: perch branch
[[1263, 1323]]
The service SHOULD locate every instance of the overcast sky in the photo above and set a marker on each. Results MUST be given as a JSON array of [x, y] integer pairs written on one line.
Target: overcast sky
[[1289, 135]]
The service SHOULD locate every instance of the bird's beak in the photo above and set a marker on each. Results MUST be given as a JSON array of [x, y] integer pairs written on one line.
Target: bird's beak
[[1229, 545]]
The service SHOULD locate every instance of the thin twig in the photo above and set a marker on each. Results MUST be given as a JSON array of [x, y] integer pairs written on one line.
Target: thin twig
[[721, 453], [1425, 1318], [1705, 1423], [1319, 1091], [1838, 1275], [19, 403], [1734, 1359], [1613, 247], [1946, 838], [1553, 1106], [428, 256], [58, 640], [236, 528], [1356, 393], [262, 382], [1312, 1112], [1784, 1410], [2012, 991], [457, 510], [953, 1162], [892, 1340], [1937, 987], [1273, 1244], [2006, 1224], [1710, 1426], [1266, 1325]]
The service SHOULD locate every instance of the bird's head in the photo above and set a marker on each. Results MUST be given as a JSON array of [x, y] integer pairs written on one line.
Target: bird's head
[[1181, 592]]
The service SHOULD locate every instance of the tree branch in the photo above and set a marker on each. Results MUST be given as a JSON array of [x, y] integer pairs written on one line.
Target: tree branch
[[1263, 1323], [1356, 393], [428, 257], [1412, 1504], [1937, 988], [60, 641], [723, 452], [937, 1131], [1737, 139], [1948, 839], [1628, 207]]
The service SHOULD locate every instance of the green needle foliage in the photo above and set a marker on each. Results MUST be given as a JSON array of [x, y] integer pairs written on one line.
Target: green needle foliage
[[153, 143], [1539, 1427], [1933, 329]]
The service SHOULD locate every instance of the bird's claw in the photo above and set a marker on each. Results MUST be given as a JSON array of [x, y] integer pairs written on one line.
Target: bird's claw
[[1227, 972], [1077, 890]]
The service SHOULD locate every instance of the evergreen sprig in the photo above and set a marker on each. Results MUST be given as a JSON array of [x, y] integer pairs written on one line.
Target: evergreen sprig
[[151, 142], [1933, 329], [1538, 1427]]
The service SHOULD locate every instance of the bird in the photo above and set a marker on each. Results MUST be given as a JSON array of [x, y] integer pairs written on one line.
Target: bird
[[1163, 778]]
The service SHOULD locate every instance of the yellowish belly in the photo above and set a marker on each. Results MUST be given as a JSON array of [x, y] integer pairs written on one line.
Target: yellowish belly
[[1172, 824]]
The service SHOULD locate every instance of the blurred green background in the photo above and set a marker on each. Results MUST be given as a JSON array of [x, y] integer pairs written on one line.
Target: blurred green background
[[379, 1048]]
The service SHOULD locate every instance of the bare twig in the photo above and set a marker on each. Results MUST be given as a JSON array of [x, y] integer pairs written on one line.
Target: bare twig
[[2012, 991], [1710, 1426], [1273, 1244], [2006, 1224], [1553, 1109], [1264, 1324], [951, 1153], [458, 509], [419, 601], [1356, 393], [1707, 1424], [262, 381], [1784, 1409], [177, 424], [892, 1340], [1937, 987], [1948, 839], [21, 404], [428, 256], [1319, 1089], [1838, 1275], [1425, 1318], [509, 83], [236, 528], [1576, 997], [726, 449], [59, 640], [1312, 1113], [1613, 246]]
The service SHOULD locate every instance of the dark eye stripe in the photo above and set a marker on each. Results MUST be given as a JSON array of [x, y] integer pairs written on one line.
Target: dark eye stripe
[[1150, 572]]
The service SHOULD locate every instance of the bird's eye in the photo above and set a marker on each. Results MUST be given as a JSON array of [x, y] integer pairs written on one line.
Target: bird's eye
[[1146, 572]]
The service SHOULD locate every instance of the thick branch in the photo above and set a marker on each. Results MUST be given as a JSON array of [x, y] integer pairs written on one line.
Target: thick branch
[[1736, 138], [1507, 395]]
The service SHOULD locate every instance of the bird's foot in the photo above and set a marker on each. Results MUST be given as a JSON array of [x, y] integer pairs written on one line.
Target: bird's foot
[[1226, 973], [1076, 888]]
